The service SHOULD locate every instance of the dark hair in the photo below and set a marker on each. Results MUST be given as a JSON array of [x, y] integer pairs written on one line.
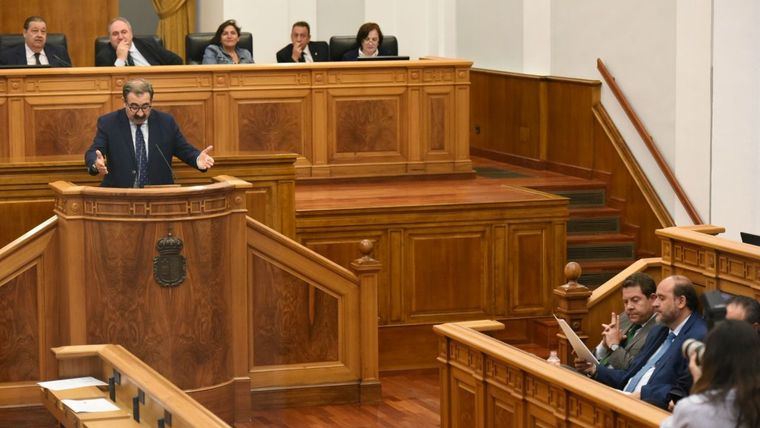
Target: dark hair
[[750, 305], [364, 33], [683, 287], [643, 281], [137, 86], [31, 19], [302, 24], [217, 40], [730, 363]]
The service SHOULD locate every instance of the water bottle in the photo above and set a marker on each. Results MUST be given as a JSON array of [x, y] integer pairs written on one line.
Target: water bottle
[[553, 359]]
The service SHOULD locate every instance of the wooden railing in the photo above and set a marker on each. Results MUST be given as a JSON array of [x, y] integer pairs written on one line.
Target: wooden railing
[[710, 262], [162, 401], [313, 322], [649, 142], [487, 383]]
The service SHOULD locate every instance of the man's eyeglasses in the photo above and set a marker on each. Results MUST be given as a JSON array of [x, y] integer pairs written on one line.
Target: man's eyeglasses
[[134, 108]]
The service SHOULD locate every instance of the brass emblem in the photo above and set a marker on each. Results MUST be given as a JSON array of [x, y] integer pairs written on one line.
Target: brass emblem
[[169, 267]]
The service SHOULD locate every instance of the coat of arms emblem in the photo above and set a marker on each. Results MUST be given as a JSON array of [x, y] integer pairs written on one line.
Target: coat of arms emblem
[[169, 267]]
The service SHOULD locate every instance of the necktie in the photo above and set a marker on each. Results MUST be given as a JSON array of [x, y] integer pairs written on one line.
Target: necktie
[[130, 61], [142, 158], [631, 332], [631, 386], [37, 59], [303, 57]]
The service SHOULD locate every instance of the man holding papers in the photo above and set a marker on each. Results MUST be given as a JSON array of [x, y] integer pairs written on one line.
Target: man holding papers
[[659, 374]]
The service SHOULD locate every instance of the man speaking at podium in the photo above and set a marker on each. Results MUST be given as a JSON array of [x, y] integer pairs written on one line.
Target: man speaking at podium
[[133, 147]]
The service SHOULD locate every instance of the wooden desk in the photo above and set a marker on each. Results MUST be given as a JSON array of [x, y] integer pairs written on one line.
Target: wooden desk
[[343, 118]]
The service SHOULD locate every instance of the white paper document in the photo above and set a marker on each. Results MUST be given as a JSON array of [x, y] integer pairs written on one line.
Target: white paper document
[[578, 346], [91, 405], [78, 382]]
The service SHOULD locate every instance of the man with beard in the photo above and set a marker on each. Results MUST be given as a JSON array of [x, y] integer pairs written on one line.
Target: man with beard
[[660, 374], [624, 337]]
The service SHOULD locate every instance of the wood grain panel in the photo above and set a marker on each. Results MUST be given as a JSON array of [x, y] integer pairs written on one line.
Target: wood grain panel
[[571, 125], [19, 217], [182, 332], [81, 20], [272, 125], [528, 264], [502, 409], [282, 330], [438, 122], [20, 328], [446, 273], [191, 117], [4, 146], [58, 130], [367, 125], [464, 395]]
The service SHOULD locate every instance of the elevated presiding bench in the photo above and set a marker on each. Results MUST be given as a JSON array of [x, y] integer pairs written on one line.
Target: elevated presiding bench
[[342, 118], [144, 397], [487, 383]]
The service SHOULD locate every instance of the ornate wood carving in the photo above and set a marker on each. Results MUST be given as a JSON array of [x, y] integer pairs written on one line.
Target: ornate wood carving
[[20, 328], [370, 125], [63, 132]]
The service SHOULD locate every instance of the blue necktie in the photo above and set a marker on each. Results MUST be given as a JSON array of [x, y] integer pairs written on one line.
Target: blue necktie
[[631, 386], [142, 158]]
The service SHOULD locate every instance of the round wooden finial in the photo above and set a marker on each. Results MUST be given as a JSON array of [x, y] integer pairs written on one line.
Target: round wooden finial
[[572, 272], [365, 247]]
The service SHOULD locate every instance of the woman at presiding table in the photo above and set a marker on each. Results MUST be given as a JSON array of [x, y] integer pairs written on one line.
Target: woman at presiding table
[[369, 39], [224, 48]]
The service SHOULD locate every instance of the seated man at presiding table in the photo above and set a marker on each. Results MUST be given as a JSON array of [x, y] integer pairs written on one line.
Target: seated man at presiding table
[[660, 374], [35, 50], [301, 48], [125, 50], [624, 337]]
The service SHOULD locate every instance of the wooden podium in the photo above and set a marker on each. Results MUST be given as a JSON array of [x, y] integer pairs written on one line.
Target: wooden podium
[[160, 271]]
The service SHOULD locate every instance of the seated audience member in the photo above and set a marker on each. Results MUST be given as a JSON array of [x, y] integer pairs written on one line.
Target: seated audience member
[[660, 374], [34, 50], [744, 308], [302, 49], [125, 50], [369, 40], [624, 337], [726, 391], [224, 48]]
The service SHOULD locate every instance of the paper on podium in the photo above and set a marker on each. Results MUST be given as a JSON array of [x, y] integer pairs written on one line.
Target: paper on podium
[[94, 405], [79, 382], [578, 346]]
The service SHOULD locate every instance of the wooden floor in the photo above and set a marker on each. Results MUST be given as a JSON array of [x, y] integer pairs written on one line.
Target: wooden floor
[[410, 399]]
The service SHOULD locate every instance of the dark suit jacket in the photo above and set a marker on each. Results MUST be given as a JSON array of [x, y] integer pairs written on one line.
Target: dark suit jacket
[[114, 140], [155, 54], [16, 55], [318, 52], [671, 379], [353, 53]]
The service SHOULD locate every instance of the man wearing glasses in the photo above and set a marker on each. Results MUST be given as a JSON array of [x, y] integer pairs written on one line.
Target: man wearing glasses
[[133, 146]]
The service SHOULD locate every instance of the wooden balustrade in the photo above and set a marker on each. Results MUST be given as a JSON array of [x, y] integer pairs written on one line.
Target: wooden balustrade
[[487, 383], [162, 401]]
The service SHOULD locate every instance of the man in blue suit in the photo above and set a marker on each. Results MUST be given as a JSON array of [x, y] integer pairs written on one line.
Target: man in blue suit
[[660, 374], [133, 147], [35, 50]]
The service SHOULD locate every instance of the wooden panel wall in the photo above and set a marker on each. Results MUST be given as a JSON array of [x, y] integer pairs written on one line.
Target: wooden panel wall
[[487, 383], [549, 122], [80, 20], [452, 263]]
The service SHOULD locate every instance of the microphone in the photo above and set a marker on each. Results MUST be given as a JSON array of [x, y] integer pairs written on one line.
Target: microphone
[[166, 161], [62, 61]]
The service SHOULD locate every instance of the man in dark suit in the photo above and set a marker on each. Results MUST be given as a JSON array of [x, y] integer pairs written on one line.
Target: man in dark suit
[[133, 147], [302, 49], [660, 374], [125, 50], [35, 50]]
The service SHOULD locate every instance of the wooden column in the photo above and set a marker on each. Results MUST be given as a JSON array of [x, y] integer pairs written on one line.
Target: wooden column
[[367, 269], [572, 306]]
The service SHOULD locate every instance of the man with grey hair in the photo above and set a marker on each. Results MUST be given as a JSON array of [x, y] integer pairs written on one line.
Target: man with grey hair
[[35, 51], [125, 50], [133, 146]]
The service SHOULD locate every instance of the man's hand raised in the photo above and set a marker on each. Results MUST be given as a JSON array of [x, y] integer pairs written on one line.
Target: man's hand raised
[[205, 161], [100, 163]]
